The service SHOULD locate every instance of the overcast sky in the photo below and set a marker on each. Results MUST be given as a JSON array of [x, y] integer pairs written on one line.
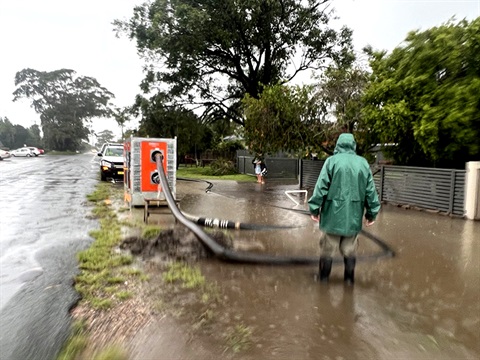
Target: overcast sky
[[48, 35]]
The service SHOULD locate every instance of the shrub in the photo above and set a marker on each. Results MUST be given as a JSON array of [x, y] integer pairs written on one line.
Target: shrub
[[223, 167]]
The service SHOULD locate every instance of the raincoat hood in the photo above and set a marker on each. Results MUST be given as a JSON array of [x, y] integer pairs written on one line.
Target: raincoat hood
[[345, 144]]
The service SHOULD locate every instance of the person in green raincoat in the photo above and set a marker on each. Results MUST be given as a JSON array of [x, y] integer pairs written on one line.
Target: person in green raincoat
[[344, 192]]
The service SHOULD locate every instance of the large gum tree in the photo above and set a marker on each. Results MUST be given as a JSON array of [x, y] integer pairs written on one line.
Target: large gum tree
[[211, 53], [66, 103]]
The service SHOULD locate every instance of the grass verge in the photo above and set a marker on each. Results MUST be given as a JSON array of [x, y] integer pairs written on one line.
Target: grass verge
[[238, 338], [107, 280], [104, 273], [205, 173]]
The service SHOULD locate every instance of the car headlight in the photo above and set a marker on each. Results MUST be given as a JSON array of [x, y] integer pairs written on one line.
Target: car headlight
[[106, 164]]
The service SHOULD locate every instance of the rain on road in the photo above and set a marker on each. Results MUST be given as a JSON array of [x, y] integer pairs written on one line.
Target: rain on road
[[43, 224]]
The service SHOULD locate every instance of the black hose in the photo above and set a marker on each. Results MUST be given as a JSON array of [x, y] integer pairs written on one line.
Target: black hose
[[226, 254], [209, 187], [382, 244], [228, 224]]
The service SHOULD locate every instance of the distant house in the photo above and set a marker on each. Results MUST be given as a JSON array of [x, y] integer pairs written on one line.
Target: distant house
[[380, 158], [232, 138]]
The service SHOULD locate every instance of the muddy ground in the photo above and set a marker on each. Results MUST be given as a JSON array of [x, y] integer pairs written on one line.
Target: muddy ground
[[191, 314]]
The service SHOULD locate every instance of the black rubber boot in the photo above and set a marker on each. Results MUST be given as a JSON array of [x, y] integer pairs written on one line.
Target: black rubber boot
[[349, 274], [325, 268]]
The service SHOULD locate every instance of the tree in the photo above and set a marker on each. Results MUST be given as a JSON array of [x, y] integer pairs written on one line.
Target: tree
[[425, 96], [15, 136], [159, 120], [65, 102], [21, 136], [103, 137], [340, 92], [122, 116], [7, 133], [283, 118], [213, 52], [34, 137]]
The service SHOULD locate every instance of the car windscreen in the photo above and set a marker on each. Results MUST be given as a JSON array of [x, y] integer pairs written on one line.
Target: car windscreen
[[114, 151]]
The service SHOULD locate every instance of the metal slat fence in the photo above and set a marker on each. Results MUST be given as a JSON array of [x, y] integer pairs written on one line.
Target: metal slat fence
[[309, 171], [427, 188]]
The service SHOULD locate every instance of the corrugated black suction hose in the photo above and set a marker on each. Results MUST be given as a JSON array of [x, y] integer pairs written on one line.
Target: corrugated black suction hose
[[226, 254]]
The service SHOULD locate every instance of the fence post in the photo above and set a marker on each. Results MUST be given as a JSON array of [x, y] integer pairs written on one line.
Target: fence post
[[381, 181], [452, 192], [301, 175]]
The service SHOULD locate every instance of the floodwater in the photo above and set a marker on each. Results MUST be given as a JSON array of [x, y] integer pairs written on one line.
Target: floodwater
[[422, 304]]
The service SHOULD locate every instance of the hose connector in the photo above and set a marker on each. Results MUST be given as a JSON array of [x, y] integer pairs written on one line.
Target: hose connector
[[155, 177], [156, 153]]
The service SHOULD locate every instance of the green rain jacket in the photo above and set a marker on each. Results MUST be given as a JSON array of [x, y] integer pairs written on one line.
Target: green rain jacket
[[344, 189]]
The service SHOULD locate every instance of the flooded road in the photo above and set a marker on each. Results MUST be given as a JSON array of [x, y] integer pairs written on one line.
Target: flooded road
[[43, 224], [422, 304]]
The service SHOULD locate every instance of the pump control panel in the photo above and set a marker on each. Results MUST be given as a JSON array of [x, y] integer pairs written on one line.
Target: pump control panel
[[141, 173]]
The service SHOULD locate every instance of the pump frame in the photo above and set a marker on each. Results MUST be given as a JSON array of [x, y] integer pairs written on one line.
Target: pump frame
[[140, 168]]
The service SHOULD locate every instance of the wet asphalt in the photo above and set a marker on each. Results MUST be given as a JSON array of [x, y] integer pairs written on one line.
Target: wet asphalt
[[43, 224]]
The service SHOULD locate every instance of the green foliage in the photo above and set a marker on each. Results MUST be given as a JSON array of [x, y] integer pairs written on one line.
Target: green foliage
[[206, 173], [64, 102], [212, 53], [229, 147], [100, 303], [163, 121], [103, 269], [15, 136], [111, 353], [282, 118], [124, 295], [425, 96], [187, 276], [239, 338], [76, 342], [104, 136], [122, 116], [151, 232], [222, 167], [339, 93], [102, 191]]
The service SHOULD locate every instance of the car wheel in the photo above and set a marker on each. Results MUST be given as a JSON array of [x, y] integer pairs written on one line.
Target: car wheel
[[28, 155], [103, 177]]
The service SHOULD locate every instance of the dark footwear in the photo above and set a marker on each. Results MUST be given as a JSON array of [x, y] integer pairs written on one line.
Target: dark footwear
[[349, 275], [325, 268]]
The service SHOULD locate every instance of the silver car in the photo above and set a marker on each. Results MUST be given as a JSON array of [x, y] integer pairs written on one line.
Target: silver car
[[25, 151], [4, 154], [35, 151]]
